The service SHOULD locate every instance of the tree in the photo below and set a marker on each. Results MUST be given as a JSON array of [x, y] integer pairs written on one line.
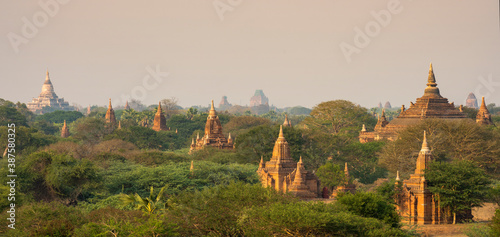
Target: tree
[[339, 116], [91, 130], [59, 116], [460, 185], [331, 175], [170, 106], [10, 115], [148, 204], [370, 205], [449, 140]]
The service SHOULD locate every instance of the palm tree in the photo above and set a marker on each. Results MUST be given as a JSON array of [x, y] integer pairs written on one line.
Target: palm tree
[[146, 204]]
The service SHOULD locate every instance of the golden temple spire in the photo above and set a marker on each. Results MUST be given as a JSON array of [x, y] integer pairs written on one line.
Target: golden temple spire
[[483, 104], [109, 105], [281, 132], [425, 146], [212, 110], [300, 160], [159, 111], [119, 125], [431, 89], [431, 78], [397, 176], [363, 129]]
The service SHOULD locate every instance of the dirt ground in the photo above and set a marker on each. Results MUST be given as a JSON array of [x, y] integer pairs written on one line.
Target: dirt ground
[[482, 216]]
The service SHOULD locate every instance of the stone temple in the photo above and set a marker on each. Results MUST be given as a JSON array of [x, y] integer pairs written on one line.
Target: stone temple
[[430, 105], [286, 175], [415, 202], [471, 101], [259, 99], [48, 98], [213, 134]]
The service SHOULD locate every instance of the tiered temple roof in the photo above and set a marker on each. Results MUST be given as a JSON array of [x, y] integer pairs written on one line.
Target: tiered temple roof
[[213, 134], [284, 174], [48, 98], [430, 105]]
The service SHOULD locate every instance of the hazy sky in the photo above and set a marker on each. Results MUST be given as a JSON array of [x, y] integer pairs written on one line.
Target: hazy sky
[[290, 49]]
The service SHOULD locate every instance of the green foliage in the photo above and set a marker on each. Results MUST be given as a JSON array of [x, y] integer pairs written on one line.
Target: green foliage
[[363, 160], [241, 124], [132, 178], [148, 204], [216, 210], [495, 224], [10, 115], [461, 185], [44, 219], [27, 139], [91, 130], [339, 116], [370, 205], [59, 116], [455, 140], [114, 222], [49, 176], [146, 138], [387, 190], [331, 175], [311, 219], [46, 127], [298, 110], [478, 230]]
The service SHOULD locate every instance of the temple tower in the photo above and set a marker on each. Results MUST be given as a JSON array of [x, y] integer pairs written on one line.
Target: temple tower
[[110, 114], [416, 203], [48, 98], [287, 122], [483, 115], [213, 134], [430, 105], [126, 105], [282, 173], [159, 123], [65, 130]]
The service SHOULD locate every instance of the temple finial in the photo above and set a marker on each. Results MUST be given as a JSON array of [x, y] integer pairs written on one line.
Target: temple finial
[[159, 107], [109, 105], [229, 137], [64, 123], [425, 146], [281, 132], [212, 108], [397, 176], [483, 104], [300, 160], [431, 79], [363, 129]]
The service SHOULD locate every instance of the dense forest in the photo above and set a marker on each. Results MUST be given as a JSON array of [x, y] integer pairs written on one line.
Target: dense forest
[[134, 181]]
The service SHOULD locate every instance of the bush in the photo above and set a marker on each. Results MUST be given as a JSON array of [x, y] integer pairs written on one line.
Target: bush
[[45, 219], [370, 205]]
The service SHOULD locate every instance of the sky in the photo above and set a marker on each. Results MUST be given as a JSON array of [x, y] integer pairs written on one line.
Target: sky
[[299, 52]]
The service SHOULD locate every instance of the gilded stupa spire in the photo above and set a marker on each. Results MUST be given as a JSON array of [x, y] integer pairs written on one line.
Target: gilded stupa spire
[[281, 150], [431, 90], [397, 176], [64, 130]]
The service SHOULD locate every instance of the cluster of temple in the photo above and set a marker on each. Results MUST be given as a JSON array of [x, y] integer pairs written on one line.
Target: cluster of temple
[[48, 98], [430, 105], [282, 173]]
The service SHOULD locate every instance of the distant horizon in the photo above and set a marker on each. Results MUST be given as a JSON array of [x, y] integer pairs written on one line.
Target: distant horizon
[[299, 54]]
